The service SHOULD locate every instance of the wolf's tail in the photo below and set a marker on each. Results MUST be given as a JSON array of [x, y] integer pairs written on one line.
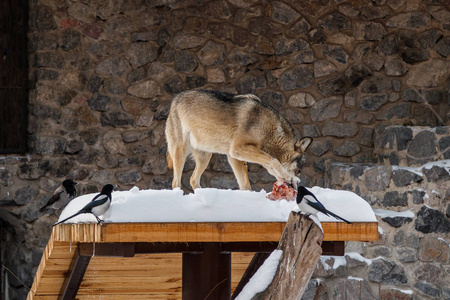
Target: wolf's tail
[[169, 160]]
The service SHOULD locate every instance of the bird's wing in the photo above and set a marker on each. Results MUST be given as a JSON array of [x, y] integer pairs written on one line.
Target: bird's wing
[[53, 199], [98, 200], [312, 201]]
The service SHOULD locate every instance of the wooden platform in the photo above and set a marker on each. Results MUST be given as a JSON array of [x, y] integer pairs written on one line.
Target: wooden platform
[[144, 260]]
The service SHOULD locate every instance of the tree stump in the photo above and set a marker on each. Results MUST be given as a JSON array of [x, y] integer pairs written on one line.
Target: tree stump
[[301, 245]]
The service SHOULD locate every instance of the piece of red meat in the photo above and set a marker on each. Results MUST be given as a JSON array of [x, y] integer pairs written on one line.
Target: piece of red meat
[[281, 190]]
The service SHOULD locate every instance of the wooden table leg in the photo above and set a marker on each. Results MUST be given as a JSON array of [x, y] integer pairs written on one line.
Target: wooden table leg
[[207, 275]]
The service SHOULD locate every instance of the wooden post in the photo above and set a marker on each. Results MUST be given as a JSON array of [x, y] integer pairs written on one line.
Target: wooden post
[[207, 275], [301, 245]]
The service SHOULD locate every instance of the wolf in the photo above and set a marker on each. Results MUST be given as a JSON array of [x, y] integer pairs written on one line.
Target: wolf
[[202, 122]]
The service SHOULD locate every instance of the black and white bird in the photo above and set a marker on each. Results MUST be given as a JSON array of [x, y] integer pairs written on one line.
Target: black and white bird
[[97, 206], [62, 195], [309, 204]]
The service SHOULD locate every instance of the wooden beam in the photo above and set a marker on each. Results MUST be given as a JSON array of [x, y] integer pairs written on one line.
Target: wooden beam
[[72, 284], [203, 232], [207, 275]]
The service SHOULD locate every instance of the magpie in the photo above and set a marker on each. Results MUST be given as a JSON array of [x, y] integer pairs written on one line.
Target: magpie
[[62, 195], [308, 203], [97, 206]]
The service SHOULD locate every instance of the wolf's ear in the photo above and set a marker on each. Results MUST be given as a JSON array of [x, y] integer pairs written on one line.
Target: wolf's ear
[[303, 144]]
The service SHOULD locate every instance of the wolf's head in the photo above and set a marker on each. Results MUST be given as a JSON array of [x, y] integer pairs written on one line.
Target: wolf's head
[[293, 160]]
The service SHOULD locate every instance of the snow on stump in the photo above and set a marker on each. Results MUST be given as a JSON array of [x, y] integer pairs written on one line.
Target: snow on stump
[[301, 245]]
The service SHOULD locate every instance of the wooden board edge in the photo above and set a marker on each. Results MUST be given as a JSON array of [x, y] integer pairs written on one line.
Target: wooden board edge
[[204, 232]]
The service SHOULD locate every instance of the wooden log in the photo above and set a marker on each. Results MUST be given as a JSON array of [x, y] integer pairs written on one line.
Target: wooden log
[[301, 245]]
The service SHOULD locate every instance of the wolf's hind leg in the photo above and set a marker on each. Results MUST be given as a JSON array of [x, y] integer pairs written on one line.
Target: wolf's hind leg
[[240, 171], [201, 162]]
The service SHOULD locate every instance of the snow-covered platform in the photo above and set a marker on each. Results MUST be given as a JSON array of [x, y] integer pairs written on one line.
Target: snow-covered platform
[[152, 242]]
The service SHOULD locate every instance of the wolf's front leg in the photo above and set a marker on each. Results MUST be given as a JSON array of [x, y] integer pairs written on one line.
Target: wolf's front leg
[[276, 169]]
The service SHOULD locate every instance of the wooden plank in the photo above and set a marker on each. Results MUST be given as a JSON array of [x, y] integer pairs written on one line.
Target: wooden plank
[[340, 231], [204, 232]]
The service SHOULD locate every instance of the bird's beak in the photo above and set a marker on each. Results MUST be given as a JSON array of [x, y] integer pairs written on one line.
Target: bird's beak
[[115, 186]]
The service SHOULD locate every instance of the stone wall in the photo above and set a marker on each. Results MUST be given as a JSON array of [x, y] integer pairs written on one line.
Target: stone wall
[[105, 73], [411, 259]]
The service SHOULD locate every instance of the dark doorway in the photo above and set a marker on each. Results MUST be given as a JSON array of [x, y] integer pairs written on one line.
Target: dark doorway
[[13, 76]]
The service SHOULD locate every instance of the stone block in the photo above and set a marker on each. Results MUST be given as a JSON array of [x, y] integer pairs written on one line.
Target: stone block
[[347, 149], [182, 40], [335, 85], [399, 111], [436, 174], [117, 119], [185, 62], [389, 46], [283, 13], [377, 178], [335, 22], [357, 73], [443, 47], [129, 177], [406, 255], [211, 54], [404, 177], [431, 221], [337, 129], [336, 53], [409, 20], [372, 103], [114, 66], [428, 290], [369, 31], [25, 195], [387, 272], [395, 293], [325, 109], [423, 145], [296, 78], [303, 100]]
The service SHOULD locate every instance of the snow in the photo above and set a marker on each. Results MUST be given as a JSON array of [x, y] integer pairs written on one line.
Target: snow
[[441, 239], [338, 261], [215, 205], [359, 257], [408, 292], [342, 261], [262, 278], [355, 278], [384, 213], [418, 170]]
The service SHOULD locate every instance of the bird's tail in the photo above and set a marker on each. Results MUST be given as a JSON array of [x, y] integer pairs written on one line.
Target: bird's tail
[[337, 217], [74, 215]]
